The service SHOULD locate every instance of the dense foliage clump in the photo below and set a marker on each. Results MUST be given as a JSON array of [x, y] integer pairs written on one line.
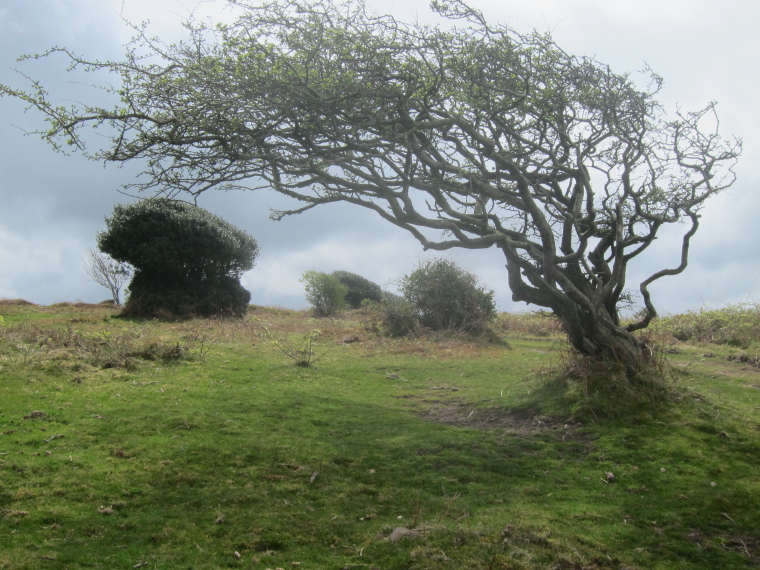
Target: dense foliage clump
[[398, 317], [358, 288], [187, 261], [325, 293], [446, 297]]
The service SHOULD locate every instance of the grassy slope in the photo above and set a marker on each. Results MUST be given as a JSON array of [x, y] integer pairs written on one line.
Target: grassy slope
[[234, 457]]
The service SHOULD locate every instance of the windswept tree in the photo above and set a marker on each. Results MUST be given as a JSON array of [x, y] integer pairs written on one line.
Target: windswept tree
[[107, 272], [187, 261], [466, 134]]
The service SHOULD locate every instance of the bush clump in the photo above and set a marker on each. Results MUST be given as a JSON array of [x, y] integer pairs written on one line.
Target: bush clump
[[444, 296], [399, 318], [358, 288], [325, 293], [188, 262]]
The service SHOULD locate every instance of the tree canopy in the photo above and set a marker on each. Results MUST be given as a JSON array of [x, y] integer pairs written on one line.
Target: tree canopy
[[187, 260], [466, 134], [175, 237]]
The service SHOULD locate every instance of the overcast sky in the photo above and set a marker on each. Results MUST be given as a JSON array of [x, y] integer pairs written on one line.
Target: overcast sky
[[52, 206]]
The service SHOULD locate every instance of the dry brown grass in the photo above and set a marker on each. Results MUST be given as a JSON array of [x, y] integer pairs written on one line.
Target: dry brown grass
[[357, 328], [78, 345], [82, 305], [732, 325], [537, 324]]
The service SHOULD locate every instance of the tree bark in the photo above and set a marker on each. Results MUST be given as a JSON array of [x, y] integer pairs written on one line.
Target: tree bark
[[603, 340]]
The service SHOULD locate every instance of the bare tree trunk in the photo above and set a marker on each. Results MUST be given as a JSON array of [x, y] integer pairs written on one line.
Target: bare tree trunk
[[602, 338], [108, 272]]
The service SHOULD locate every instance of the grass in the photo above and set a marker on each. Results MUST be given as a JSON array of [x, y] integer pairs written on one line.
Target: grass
[[130, 444]]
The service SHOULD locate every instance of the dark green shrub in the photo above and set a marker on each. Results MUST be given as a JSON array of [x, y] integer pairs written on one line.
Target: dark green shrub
[[187, 261], [446, 297], [358, 288], [325, 292], [173, 297]]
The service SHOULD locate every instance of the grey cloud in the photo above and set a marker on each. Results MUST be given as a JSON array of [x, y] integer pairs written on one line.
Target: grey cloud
[[51, 206]]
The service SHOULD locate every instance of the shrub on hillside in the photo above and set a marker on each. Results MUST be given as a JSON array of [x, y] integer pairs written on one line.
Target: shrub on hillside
[[358, 288], [325, 293], [398, 317], [446, 297], [187, 261]]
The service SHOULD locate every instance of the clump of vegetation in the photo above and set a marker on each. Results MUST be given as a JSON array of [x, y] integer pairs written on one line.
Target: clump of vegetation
[[358, 289], [735, 325], [446, 297], [16, 303], [187, 261], [325, 293], [397, 316], [592, 389], [73, 348]]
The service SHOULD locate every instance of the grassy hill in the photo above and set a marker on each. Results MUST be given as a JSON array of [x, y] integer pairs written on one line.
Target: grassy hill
[[200, 444]]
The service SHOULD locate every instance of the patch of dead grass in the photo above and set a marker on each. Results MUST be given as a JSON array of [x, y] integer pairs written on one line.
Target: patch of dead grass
[[439, 406]]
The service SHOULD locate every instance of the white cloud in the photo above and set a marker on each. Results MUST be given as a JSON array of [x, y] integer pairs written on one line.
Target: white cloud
[[44, 268]]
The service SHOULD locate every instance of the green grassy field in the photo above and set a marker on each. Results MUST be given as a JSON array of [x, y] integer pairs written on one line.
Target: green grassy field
[[200, 444]]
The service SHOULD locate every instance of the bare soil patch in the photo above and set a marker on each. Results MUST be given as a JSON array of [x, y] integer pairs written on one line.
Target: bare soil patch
[[461, 413], [744, 544]]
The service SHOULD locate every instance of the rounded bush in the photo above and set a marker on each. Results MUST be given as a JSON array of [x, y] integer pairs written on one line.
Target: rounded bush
[[187, 261], [325, 292], [446, 297], [358, 288]]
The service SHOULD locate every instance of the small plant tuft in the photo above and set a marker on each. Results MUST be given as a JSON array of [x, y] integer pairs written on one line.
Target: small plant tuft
[[303, 354]]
